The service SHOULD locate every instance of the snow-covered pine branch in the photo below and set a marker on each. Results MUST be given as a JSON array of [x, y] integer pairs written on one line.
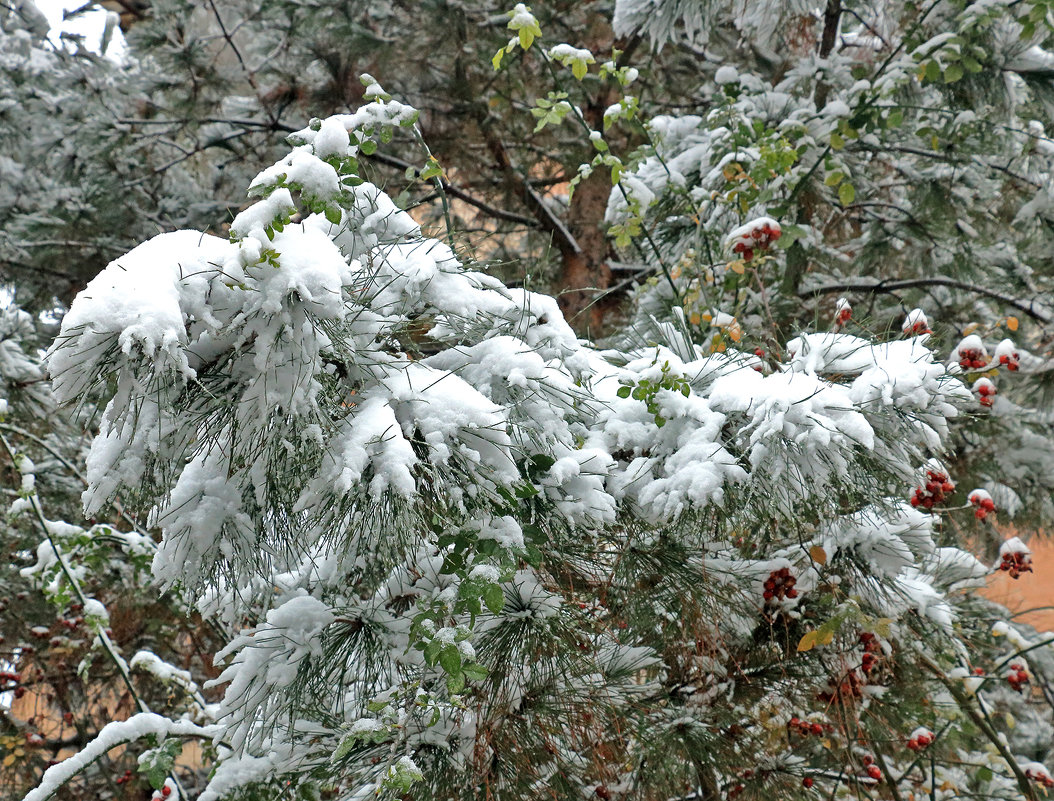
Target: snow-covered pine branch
[[463, 532]]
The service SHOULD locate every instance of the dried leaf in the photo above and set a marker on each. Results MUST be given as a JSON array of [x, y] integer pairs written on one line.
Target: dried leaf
[[808, 642]]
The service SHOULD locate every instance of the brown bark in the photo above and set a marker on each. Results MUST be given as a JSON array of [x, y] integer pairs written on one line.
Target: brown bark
[[586, 275]]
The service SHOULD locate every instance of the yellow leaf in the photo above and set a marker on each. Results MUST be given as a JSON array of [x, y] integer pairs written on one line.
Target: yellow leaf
[[807, 642], [824, 637], [970, 329], [1011, 323], [738, 266], [9, 760], [695, 319], [818, 554]]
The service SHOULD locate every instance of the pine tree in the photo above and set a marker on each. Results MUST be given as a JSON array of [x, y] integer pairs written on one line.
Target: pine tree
[[461, 553]]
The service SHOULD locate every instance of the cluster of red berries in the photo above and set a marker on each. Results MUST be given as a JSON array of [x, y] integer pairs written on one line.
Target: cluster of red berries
[[982, 503], [872, 651], [1016, 563], [761, 355], [916, 323], [848, 688], [1007, 355], [757, 235], [1039, 776], [871, 768], [920, 739], [986, 391], [1017, 678], [938, 487], [805, 728], [971, 353], [843, 312], [124, 779], [780, 585]]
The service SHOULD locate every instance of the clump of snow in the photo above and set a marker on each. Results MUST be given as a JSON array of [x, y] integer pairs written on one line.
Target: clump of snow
[[726, 74]]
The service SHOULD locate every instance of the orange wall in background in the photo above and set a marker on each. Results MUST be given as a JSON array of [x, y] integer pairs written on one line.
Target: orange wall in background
[[1032, 591]]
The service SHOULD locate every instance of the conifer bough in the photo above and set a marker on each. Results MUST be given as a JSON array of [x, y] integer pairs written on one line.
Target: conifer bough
[[482, 558]]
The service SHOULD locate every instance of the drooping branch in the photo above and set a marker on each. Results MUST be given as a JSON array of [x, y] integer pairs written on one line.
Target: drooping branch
[[1030, 307], [461, 194]]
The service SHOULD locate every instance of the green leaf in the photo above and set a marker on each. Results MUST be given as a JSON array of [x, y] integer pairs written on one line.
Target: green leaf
[[431, 169], [541, 462], [971, 64], [834, 178], [156, 764], [368, 147], [837, 142], [525, 490], [895, 119], [494, 598], [496, 59], [475, 672], [933, 70], [432, 652], [953, 73], [846, 193], [533, 556], [984, 774], [450, 659], [333, 214], [344, 748], [623, 392], [526, 37], [616, 173], [455, 682], [579, 69]]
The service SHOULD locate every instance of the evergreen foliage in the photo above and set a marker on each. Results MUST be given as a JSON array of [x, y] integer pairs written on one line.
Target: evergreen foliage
[[448, 549]]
